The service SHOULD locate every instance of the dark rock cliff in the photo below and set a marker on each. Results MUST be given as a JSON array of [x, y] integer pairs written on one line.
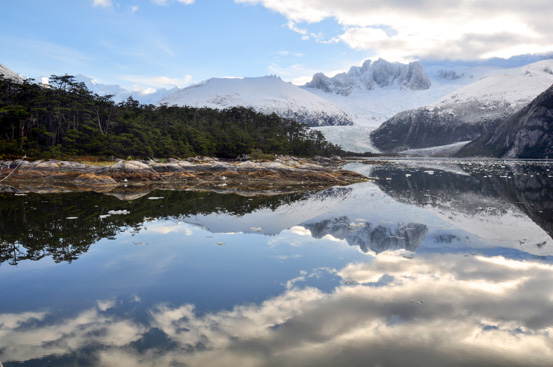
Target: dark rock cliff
[[526, 134]]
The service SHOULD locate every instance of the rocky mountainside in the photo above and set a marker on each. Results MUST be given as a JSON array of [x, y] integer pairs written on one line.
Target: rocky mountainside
[[526, 134], [265, 95], [467, 113], [371, 75]]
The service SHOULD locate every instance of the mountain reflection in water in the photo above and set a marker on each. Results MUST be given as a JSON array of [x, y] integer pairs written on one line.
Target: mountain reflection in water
[[432, 264], [367, 236]]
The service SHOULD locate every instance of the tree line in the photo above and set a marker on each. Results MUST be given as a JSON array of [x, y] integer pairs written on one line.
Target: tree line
[[66, 119]]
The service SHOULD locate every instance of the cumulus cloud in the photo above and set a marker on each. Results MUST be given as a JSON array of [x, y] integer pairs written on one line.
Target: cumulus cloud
[[167, 227], [453, 29], [102, 3]]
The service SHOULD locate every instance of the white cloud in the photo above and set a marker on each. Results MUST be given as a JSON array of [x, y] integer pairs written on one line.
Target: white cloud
[[302, 231], [134, 9], [167, 227], [402, 28], [102, 3], [293, 27], [165, 2], [289, 53], [142, 82], [301, 80], [105, 305]]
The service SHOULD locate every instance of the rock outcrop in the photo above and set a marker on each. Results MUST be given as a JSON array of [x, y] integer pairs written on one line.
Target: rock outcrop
[[429, 127]]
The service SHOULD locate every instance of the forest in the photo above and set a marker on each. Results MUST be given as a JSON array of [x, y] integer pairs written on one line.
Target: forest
[[65, 119]]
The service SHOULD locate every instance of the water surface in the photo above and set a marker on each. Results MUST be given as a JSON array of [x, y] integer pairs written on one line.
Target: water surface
[[432, 263]]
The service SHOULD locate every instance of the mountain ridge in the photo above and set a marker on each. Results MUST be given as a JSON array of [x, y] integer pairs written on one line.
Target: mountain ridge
[[266, 95], [526, 134], [466, 113]]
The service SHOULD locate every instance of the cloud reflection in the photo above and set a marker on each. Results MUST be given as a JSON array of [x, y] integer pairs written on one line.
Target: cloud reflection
[[433, 310]]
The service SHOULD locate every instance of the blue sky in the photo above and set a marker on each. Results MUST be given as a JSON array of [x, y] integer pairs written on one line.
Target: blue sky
[[162, 43]]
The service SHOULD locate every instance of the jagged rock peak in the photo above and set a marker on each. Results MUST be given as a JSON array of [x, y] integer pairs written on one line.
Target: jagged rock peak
[[370, 75]]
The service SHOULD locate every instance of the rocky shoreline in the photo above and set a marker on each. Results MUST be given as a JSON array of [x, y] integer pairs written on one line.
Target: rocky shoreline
[[284, 174]]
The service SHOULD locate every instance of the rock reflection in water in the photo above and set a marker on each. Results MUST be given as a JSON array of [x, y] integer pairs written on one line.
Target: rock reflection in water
[[529, 186]]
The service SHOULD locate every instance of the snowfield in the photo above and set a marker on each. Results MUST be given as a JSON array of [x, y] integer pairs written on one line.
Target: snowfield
[[513, 88]]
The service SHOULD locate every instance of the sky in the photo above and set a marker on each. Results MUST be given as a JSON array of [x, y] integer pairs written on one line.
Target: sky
[[140, 44]]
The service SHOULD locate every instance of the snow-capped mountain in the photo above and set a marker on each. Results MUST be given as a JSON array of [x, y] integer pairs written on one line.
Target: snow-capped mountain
[[465, 113], [375, 91], [371, 107], [371, 75], [120, 94], [265, 95], [7, 73], [526, 134]]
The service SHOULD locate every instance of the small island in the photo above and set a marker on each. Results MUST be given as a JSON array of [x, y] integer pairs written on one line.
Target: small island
[[283, 174]]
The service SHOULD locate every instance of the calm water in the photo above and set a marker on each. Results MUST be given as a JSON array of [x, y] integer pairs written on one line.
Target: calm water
[[434, 263]]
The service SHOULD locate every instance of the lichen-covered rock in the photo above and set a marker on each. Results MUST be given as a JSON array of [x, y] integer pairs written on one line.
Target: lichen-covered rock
[[206, 173], [94, 180]]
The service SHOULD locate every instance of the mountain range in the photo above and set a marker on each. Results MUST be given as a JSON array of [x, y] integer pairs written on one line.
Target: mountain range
[[392, 106], [467, 113]]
